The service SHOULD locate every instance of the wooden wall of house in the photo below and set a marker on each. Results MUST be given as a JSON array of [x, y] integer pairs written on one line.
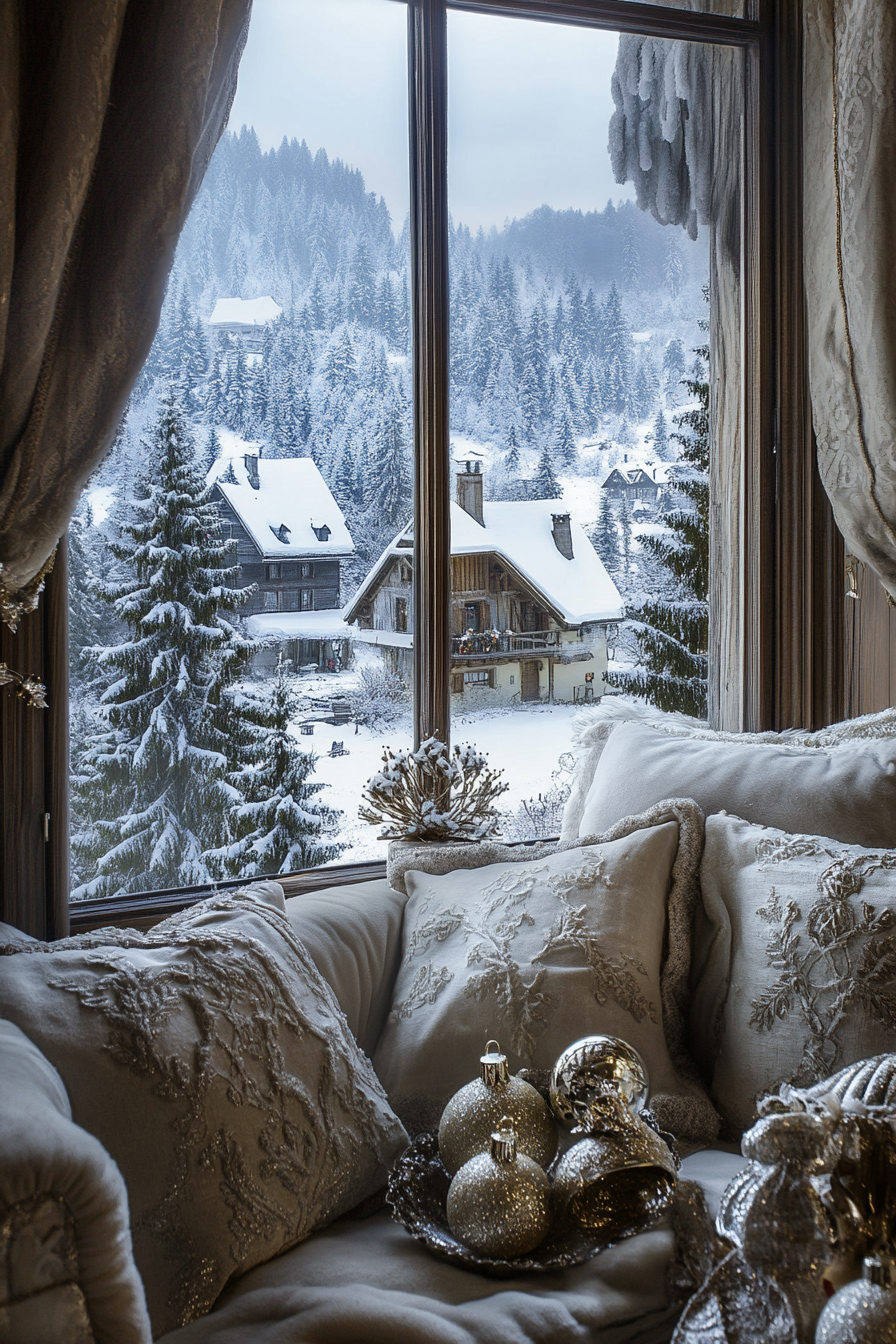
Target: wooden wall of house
[[870, 644], [323, 580]]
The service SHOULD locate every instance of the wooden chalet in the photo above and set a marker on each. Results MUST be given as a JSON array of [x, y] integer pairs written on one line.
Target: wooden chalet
[[531, 601], [637, 482], [291, 540]]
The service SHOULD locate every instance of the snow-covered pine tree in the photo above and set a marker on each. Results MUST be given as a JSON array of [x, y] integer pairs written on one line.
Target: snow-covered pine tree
[[605, 535], [672, 636], [388, 478], [565, 452], [279, 825], [661, 435], [150, 794], [512, 445], [545, 484]]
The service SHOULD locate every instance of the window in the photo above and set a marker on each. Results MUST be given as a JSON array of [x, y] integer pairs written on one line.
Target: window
[[487, 366]]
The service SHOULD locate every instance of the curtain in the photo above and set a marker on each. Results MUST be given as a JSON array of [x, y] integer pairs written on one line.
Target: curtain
[[850, 230], [109, 113]]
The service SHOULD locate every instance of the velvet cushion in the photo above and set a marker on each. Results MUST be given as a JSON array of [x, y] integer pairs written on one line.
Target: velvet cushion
[[538, 953], [848, 794], [795, 968], [212, 1061], [353, 935]]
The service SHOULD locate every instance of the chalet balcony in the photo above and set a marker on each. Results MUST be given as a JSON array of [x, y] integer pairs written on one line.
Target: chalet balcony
[[491, 644]]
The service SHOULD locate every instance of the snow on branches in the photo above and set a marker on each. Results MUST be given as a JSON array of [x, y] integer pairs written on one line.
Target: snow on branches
[[434, 794]]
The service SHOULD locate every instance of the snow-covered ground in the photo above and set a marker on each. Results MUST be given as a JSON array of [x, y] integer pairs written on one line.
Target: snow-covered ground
[[526, 743]]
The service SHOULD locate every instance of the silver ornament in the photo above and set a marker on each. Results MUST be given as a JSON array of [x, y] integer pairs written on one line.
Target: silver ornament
[[474, 1112], [619, 1179], [499, 1202], [583, 1072], [863, 1312]]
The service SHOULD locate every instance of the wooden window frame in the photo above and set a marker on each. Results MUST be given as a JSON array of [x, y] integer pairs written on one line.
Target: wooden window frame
[[778, 655]]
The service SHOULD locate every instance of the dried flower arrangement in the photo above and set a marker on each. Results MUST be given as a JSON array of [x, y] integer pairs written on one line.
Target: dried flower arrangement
[[434, 793]]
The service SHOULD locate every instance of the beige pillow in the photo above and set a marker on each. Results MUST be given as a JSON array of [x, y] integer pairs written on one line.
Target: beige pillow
[[405, 855], [211, 1060], [353, 934], [539, 953], [847, 794], [796, 971]]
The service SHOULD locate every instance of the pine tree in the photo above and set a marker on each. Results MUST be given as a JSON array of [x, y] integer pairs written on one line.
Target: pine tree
[[660, 436], [564, 444], [512, 460], [625, 535], [279, 824], [605, 535], [150, 792], [545, 485], [672, 636], [388, 466]]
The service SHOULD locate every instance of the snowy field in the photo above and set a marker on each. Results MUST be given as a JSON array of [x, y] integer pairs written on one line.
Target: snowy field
[[526, 743]]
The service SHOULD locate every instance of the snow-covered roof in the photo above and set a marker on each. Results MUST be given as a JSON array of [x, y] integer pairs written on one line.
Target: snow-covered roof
[[629, 471], [291, 493], [521, 534], [245, 312], [299, 625]]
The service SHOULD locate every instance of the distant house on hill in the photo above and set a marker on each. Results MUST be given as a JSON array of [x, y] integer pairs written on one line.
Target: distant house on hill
[[531, 601], [245, 317], [637, 482], [291, 539]]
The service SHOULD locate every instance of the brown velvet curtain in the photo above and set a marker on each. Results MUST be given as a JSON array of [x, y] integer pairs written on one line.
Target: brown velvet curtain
[[109, 113], [849, 112]]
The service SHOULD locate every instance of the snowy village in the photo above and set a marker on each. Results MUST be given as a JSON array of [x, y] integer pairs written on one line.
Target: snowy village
[[241, 566]]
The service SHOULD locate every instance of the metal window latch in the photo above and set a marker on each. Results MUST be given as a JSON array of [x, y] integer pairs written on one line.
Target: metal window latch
[[46, 828]]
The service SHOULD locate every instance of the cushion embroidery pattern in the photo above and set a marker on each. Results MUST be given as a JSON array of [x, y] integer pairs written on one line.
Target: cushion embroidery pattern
[[490, 932], [842, 956], [214, 1028]]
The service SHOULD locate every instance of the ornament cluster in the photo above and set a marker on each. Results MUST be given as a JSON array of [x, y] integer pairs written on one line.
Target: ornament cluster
[[499, 1138]]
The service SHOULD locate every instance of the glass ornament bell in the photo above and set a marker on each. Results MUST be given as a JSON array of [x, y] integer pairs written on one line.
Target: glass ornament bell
[[474, 1112], [499, 1203], [584, 1070], [862, 1312]]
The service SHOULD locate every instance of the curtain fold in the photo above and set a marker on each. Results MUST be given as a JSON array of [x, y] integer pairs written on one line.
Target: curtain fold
[[109, 114], [850, 233]]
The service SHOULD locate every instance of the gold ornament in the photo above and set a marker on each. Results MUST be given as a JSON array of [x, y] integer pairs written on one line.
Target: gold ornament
[[472, 1114], [864, 1312], [585, 1068], [620, 1178], [499, 1203]]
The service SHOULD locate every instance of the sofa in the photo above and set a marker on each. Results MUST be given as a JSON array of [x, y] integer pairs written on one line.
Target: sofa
[[196, 1123]]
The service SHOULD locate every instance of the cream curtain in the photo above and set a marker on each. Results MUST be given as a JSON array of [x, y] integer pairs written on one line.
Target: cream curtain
[[850, 230], [109, 113]]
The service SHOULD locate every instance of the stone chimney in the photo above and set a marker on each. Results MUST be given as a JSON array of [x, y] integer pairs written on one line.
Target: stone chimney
[[562, 534], [469, 491], [250, 462]]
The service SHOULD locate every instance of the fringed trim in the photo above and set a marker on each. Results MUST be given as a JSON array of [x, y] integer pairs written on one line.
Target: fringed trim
[[15, 605]]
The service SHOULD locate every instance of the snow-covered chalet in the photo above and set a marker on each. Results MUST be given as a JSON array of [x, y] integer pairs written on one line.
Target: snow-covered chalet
[[637, 482], [291, 539], [531, 601]]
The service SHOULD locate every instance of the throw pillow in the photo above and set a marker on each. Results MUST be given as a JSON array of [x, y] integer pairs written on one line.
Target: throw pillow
[[850, 795], [538, 953], [354, 937], [405, 855], [796, 972], [212, 1061], [594, 725]]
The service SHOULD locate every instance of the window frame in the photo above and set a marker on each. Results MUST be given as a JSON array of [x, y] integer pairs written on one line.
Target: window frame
[[778, 641]]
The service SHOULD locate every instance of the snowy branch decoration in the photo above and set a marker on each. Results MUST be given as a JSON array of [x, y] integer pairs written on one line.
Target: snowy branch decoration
[[434, 794], [29, 689]]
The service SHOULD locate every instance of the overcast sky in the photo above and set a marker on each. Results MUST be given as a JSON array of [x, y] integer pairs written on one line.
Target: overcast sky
[[529, 103]]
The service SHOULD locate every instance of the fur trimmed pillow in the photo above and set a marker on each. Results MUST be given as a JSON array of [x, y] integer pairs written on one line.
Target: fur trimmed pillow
[[212, 1061], [543, 950]]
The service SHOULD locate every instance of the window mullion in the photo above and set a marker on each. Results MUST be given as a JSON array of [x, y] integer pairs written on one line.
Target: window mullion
[[428, 114]]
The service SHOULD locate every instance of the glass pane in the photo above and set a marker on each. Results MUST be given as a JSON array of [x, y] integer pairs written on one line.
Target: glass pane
[[582, 333], [732, 9], [225, 713]]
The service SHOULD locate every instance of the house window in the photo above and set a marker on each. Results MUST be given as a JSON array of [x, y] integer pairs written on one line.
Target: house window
[[307, 570], [584, 403]]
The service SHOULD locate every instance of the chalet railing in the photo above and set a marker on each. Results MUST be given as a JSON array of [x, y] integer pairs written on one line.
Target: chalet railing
[[490, 643]]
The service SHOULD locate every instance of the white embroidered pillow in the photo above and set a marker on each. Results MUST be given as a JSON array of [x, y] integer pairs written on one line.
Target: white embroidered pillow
[[212, 1061], [539, 953], [796, 973]]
